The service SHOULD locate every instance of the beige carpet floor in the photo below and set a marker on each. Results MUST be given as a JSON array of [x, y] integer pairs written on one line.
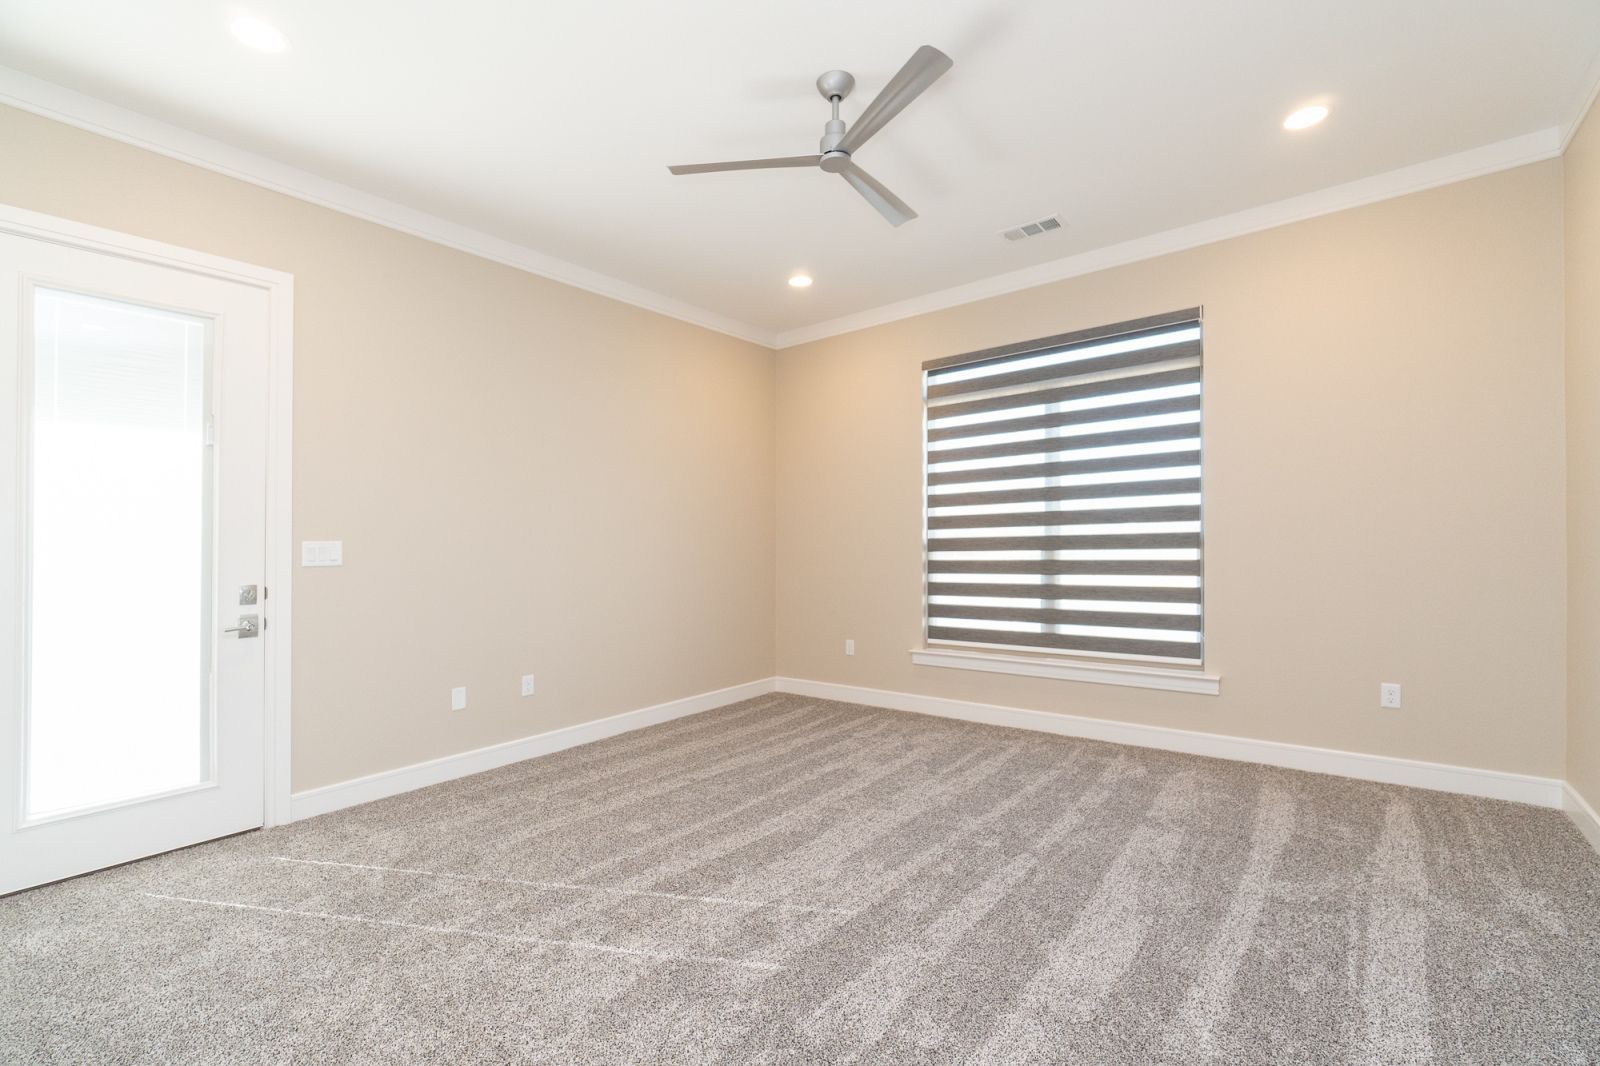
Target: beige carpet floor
[[790, 880]]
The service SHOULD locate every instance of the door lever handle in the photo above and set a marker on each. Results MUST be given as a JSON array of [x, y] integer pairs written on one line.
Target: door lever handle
[[246, 628]]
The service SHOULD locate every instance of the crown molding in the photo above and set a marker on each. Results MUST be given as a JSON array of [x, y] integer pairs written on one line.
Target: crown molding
[[58, 103], [1591, 89], [1502, 155]]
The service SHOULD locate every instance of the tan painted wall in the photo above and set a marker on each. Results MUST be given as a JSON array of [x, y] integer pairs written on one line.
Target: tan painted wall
[[1582, 164], [1384, 480], [527, 478]]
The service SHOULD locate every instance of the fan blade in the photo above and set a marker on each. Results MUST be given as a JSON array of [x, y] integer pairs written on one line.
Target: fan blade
[[923, 69], [888, 204], [749, 164]]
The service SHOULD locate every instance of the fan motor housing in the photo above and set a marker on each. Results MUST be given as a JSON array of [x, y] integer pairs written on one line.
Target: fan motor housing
[[834, 161], [832, 134]]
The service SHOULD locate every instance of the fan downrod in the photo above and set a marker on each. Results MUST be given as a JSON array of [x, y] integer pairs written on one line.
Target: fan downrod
[[834, 86]]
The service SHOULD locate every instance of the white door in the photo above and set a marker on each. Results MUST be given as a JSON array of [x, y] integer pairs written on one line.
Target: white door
[[133, 431]]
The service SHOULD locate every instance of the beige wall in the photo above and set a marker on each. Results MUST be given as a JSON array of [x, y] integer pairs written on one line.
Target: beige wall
[[1384, 480], [1582, 165], [527, 478]]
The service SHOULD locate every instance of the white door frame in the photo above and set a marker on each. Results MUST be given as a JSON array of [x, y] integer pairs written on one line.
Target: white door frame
[[279, 287]]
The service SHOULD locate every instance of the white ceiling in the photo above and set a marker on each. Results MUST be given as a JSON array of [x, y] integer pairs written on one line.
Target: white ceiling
[[551, 125]]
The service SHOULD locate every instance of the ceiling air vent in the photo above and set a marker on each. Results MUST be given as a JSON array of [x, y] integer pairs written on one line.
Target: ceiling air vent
[[1033, 229]]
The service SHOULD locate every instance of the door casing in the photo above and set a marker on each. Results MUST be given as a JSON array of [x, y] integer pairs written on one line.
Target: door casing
[[279, 286]]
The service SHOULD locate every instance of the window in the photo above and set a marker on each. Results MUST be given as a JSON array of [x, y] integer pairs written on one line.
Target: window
[[1063, 494]]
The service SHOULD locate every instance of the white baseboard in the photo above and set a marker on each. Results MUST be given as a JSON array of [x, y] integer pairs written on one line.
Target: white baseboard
[[1494, 784], [317, 801], [1583, 816]]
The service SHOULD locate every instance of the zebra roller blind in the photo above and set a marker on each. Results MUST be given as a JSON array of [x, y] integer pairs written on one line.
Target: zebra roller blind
[[1063, 489]]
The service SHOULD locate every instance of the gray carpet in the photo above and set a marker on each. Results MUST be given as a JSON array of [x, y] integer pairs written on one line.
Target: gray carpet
[[793, 880]]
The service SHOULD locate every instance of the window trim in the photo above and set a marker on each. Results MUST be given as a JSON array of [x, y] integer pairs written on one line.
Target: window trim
[[1062, 667]]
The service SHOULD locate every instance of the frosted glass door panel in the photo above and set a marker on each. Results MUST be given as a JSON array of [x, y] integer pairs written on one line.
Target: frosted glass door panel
[[118, 667]]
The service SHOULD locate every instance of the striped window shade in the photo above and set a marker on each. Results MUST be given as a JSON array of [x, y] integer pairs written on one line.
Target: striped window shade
[[1063, 480]]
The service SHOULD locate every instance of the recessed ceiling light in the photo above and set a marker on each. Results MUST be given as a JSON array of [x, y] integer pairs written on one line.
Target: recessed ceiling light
[[255, 33], [1306, 117], [800, 281]]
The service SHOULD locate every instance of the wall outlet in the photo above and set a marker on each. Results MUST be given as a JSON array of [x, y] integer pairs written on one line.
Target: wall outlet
[[458, 698], [1389, 695], [849, 647], [527, 684]]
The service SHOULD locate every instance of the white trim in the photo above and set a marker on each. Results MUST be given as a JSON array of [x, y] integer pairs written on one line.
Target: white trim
[[1503, 155], [1591, 90], [61, 104], [1583, 816], [1170, 680], [278, 582], [377, 786], [73, 234], [1495, 784], [64, 105], [276, 636]]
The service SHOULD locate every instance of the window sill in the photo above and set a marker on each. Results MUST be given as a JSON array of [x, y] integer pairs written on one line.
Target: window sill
[[1157, 677]]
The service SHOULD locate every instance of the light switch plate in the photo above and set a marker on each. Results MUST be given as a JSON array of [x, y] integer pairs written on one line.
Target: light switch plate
[[458, 698], [322, 553], [527, 684]]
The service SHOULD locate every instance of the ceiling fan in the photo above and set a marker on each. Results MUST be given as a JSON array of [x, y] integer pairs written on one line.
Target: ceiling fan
[[838, 145]]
